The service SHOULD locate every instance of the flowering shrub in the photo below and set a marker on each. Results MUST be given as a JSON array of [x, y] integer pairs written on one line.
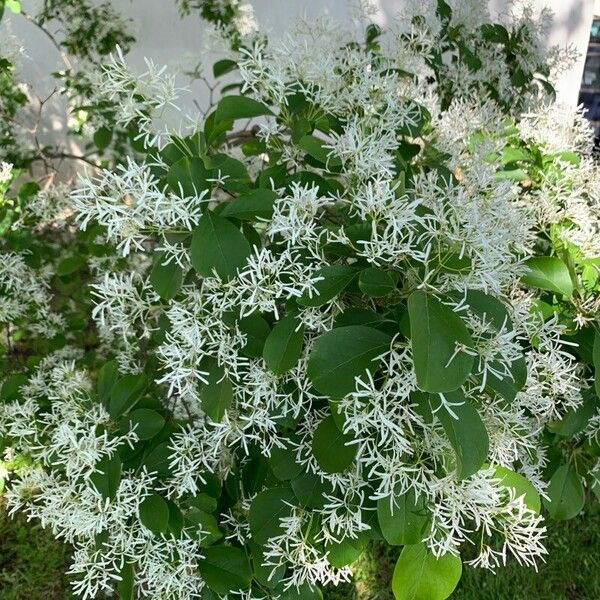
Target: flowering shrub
[[358, 300]]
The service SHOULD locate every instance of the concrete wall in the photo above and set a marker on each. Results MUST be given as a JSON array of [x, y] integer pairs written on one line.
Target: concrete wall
[[168, 39]]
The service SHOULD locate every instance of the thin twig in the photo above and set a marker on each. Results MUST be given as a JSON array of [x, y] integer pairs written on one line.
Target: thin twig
[[62, 53]]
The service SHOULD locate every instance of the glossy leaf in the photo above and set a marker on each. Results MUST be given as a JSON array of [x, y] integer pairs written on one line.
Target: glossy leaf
[[435, 331], [404, 519], [334, 278], [255, 204], [376, 282], [347, 551], [221, 67], [315, 148], [188, 176], [522, 487], [218, 246], [107, 476], [217, 394], [548, 273], [240, 107], [419, 575], [566, 492], [466, 433], [340, 355], [154, 514], [266, 511], [332, 448], [107, 377], [256, 330], [147, 422], [283, 345], [166, 279], [225, 569], [126, 392]]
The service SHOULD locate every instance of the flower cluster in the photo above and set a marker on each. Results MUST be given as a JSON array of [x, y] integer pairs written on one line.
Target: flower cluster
[[356, 302]]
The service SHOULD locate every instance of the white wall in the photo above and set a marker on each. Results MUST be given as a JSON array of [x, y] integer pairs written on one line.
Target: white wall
[[168, 39]]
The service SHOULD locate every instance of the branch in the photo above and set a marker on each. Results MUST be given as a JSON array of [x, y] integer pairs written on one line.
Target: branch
[[43, 156], [62, 53]]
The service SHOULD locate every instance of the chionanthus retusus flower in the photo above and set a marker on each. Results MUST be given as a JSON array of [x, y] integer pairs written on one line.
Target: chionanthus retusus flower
[[320, 310]]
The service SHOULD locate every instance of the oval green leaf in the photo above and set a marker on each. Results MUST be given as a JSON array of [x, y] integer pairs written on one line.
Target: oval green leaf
[[466, 433], [225, 569], [283, 345], [334, 278], [218, 246], [403, 519], [548, 273], [342, 354], [266, 511], [435, 331], [566, 494], [419, 575], [332, 448]]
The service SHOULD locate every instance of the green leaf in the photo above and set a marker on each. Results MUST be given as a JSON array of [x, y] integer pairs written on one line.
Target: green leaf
[[240, 107], [548, 273], [264, 574], [566, 494], [467, 433], [11, 387], [234, 173], [188, 176], [376, 282], [221, 67], [575, 420], [435, 331], [176, 521], [257, 331], [103, 137], [107, 476], [125, 585], [126, 392], [216, 395], [283, 345], [69, 265], [358, 316], [347, 551], [305, 592], [157, 460], [147, 422], [332, 448], [166, 279], [495, 313], [310, 489], [495, 33], [154, 514], [225, 569], [256, 204], [340, 355], [266, 511], [522, 487], [404, 519], [334, 279], [316, 149], [204, 525], [419, 575], [218, 245], [284, 464], [511, 175], [107, 377]]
